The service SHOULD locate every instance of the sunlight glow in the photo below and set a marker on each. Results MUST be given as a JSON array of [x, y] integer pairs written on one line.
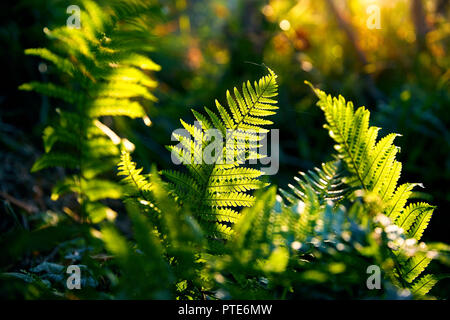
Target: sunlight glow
[[285, 25]]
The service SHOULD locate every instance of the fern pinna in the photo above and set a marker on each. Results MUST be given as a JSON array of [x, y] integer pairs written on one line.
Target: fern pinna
[[327, 182], [106, 75], [372, 167], [214, 190]]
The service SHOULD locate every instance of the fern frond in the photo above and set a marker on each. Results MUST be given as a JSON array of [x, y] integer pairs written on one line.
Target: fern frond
[[63, 64], [308, 211], [327, 183], [373, 167], [94, 190], [107, 74], [396, 204], [116, 107], [420, 223], [51, 90], [356, 141], [131, 175], [55, 134], [222, 215], [55, 159], [414, 266], [255, 225], [223, 184], [422, 286], [414, 219]]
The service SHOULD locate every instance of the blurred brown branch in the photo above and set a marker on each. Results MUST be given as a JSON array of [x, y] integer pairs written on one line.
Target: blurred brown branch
[[420, 24], [21, 204], [346, 26]]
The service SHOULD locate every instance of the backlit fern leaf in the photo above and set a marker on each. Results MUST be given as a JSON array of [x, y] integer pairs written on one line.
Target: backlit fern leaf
[[414, 266], [214, 188], [422, 286], [373, 167], [414, 219], [131, 175], [327, 183], [258, 223], [105, 71]]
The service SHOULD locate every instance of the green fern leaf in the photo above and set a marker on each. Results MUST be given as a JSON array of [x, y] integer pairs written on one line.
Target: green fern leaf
[[106, 75], [414, 266], [55, 159], [326, 182], [417, 213], [372, 166], [420, 223], [422, 286], [223, 184]]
